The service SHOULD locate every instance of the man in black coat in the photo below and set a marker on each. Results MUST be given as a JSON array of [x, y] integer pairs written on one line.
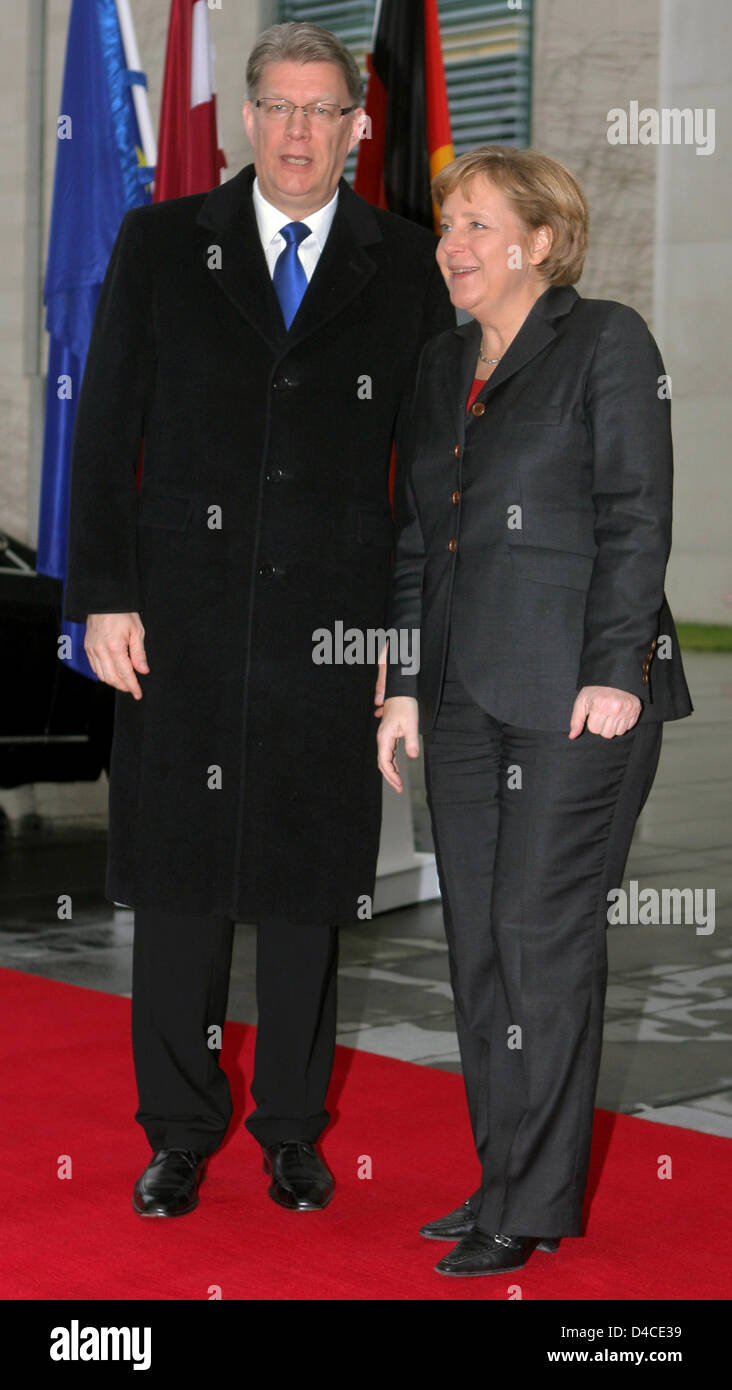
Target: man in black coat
[[259, 340]]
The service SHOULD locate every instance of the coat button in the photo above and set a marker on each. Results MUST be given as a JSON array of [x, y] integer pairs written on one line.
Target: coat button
[[456, 451], [478, 408], [266, 571], [274, 475], [452, 544], [456, 497]]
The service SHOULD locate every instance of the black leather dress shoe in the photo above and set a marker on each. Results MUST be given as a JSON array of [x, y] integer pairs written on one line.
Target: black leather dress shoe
[[169, 1185], [456, 1224], [481, 1254], [461, 1221], [300, 1179]]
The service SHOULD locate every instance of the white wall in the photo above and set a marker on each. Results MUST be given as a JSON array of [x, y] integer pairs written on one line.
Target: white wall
[[660, 233], [693, 304], [589, 57], [14, 386]]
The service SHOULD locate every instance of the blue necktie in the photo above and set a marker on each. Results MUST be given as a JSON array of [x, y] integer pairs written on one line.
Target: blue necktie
[[289, 278]]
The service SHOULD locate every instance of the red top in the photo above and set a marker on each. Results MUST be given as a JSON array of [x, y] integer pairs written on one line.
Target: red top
[[475, 388]]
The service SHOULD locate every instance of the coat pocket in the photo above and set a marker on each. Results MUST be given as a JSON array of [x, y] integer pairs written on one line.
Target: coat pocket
[[543, 415], [374, 528], [559, 567], [164, 510]]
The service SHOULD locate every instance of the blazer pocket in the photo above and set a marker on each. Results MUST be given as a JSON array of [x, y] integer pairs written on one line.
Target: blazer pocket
[[557, 567], [542, 415], [165, 511]]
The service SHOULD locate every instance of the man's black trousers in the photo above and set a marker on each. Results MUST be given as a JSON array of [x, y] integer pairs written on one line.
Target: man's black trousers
[[180, 986]]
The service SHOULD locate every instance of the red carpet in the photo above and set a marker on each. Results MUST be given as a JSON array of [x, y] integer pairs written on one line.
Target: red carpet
[[69, 1090]]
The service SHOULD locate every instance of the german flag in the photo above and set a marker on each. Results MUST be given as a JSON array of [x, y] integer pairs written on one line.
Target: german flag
[[407, 138]]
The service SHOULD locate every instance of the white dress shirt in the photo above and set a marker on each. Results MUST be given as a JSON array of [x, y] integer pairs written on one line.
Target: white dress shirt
[[270, 219]]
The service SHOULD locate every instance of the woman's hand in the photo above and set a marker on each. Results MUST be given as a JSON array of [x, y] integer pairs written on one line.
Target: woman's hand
[[400, 719], [608, 711], [380, 687]]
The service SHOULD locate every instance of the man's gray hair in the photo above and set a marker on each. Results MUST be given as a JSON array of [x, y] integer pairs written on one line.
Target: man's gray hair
[[302, 43]]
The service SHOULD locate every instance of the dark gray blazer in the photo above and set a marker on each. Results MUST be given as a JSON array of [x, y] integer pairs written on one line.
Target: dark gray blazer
[[536, 530]]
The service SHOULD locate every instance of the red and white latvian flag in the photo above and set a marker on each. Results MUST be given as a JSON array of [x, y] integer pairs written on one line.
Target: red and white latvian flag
[[190, 158]]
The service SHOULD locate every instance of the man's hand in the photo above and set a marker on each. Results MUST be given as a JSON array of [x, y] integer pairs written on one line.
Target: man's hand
[[608, 711], [400, 719], [380, 689], [114, 646]]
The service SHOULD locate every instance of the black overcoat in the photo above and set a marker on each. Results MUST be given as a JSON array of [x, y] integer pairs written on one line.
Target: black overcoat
[[534, 532], [244, 782]]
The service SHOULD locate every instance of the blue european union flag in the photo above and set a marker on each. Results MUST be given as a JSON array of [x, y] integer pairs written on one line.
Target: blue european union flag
[[100, 174]]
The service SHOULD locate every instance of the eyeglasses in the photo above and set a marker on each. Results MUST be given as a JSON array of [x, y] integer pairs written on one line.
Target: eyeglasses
[[323, 112]]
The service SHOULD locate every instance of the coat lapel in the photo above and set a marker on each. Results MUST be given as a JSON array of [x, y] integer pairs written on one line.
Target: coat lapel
[[343, 268], [535, 333], [228, 211]]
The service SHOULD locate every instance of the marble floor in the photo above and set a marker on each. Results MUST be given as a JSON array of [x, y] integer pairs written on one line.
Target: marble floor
[[668, 1018]]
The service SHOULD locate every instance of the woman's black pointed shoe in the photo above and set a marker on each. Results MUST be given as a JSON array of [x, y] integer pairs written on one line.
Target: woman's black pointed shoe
[[461, 1222], [456, 1224], [481, 1254]]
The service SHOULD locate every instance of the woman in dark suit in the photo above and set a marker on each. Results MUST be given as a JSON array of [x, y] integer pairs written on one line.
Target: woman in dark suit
[[534, 512]]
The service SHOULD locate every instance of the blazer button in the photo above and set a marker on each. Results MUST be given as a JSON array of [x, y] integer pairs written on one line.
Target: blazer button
[[478, 408], [456, 451], [452, 544], [456, 497], [266, 571]]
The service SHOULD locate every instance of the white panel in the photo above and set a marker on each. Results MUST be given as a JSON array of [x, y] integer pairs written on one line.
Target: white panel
[[202, 85]]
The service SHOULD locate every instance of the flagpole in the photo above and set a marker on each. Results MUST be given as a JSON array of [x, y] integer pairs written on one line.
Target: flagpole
[[139, 93]]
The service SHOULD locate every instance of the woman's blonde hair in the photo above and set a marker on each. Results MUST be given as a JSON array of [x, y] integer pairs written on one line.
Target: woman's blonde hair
[[541, 191]]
